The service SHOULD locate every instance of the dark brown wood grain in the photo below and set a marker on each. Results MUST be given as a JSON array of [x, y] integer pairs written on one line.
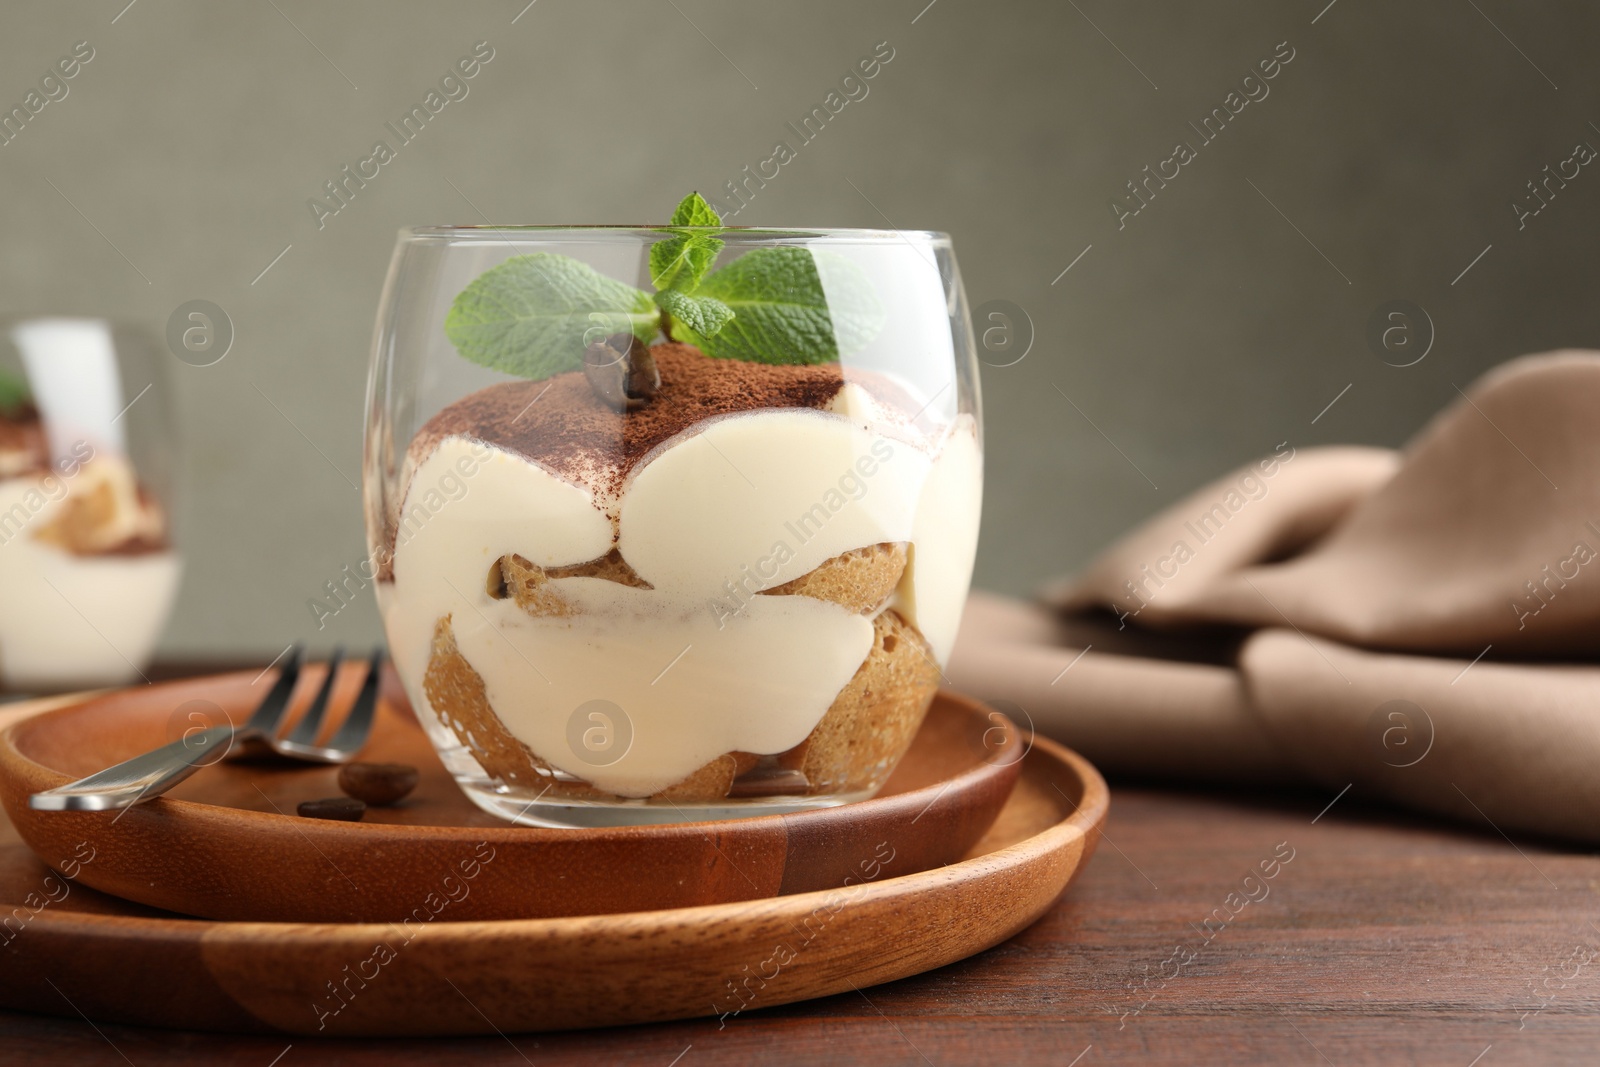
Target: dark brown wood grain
[[1386, 939]]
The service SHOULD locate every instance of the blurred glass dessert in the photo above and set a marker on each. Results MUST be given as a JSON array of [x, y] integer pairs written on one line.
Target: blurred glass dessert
[[87, 568]]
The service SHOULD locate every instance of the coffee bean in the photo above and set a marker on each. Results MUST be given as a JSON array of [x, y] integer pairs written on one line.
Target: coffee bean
[[344, 809], [621, 371], [379, 784], [644, 378]]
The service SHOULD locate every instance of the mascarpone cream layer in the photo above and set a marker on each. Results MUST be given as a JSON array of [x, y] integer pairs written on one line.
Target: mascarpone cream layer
[[698, 665]]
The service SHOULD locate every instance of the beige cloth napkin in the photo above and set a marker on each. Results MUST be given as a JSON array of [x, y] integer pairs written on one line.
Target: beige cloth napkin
[[1423, 626]]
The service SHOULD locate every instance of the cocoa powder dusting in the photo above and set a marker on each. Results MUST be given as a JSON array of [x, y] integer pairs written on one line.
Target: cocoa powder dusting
[[574, 434]]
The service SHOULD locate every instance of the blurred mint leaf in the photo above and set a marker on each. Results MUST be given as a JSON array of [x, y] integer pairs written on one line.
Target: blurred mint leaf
[[532, 315], [14, 392], [683, 259], [782, 312], [694, 318]]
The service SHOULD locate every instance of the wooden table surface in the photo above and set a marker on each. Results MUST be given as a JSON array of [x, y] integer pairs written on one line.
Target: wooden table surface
[[1378, 938]]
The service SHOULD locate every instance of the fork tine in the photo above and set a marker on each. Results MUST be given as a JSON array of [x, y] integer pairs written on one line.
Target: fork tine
[[305, 731], [270, 711], [358, 724]]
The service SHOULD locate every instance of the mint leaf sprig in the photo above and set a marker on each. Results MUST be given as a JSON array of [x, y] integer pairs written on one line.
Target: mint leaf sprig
[[680, 262], [533, 315], [677, 267]]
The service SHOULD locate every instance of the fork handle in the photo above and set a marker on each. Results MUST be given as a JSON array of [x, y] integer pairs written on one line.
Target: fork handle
[[140, 778]]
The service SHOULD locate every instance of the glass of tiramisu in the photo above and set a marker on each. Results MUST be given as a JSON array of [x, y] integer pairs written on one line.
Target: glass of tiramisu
[[88, 570], [671, 523]]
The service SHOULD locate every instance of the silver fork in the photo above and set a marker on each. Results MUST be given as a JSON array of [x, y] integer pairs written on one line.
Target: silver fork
[[144, 777]]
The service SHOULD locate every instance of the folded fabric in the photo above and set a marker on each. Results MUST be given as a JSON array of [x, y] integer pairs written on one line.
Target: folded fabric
[[1422, 626]]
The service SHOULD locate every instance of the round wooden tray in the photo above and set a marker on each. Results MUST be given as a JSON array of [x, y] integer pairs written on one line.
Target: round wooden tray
[[226, 844], [122, 962]]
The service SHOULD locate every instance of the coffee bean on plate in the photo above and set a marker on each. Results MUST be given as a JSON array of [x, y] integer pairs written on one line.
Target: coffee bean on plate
[[344, 809], [379, 784]]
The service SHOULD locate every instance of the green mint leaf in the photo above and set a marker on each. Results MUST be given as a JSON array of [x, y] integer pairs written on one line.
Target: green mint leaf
[[14, 392], [683, 259], [694, 211], [782, 308], [532, 315], [694, 318]]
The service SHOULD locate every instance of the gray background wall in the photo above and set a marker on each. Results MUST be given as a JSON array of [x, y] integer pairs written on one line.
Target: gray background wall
[[1211, 327]]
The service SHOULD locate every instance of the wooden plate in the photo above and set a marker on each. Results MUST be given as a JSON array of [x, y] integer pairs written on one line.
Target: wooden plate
[[124, 963], [225, 844]]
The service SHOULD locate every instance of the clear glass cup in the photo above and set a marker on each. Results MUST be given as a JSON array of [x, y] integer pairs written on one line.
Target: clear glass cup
[[88, 568], [627, 579]]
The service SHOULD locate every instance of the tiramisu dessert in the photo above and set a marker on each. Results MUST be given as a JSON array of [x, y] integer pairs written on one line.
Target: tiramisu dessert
[[87, 572], [717, 571]]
